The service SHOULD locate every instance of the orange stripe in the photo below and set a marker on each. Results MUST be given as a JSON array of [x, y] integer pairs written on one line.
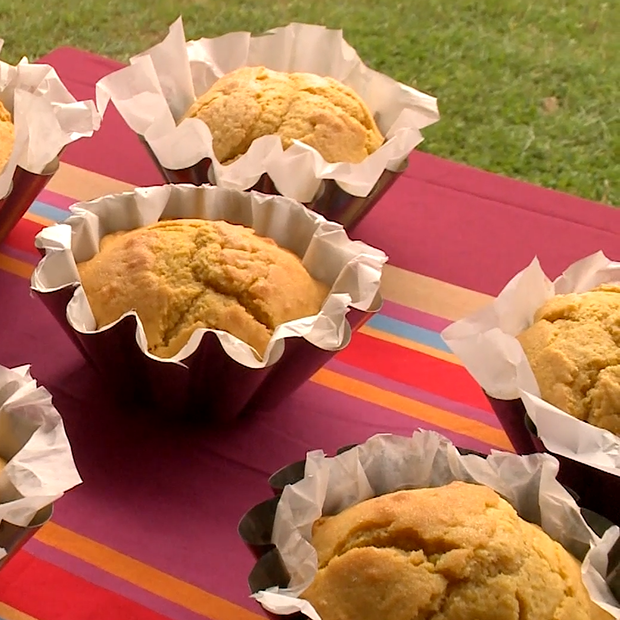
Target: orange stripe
[[410, 344], [10, 613], [146, 577], [33, 217], [18, 267], [413, 408]]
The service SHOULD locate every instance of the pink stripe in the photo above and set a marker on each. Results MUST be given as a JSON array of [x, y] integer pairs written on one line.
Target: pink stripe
[[434, 400], [110, 582], [55, 200], [371, 419], [415, 317], [26, 257]]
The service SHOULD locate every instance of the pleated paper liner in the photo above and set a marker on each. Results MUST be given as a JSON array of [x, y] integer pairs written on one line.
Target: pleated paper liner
[[14, 537], [256, 526], [331, 201], [487, 345], [209, 383], [25, 188], [38, 461], [290, 474], [210, 386], [598, 490]]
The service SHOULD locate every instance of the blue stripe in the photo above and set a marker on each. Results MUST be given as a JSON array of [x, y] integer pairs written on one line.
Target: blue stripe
[[48, 212], [408, 331]]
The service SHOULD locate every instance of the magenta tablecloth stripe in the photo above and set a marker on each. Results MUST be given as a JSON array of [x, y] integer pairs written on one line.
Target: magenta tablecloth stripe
[[56, 200], [18, 254], [110, 582], [219, 475]]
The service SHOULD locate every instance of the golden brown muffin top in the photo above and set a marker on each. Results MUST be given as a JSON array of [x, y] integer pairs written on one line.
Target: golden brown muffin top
[[181, 275], [458, 552], [7, 136], [573, 348], [320, 111]]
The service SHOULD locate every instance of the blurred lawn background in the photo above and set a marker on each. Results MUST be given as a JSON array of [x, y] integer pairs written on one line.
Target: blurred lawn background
[[526, 88]]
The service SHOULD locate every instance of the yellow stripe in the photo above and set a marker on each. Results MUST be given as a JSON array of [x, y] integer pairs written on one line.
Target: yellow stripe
[[410, 344], [81, 184], [9, 613], [413, 408], [429, 295], [146, 577], [18, 267]]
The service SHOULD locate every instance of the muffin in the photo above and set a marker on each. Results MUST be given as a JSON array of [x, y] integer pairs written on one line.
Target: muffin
[[458, 552], [182, 275], [251, 102], [573, 347], [7, 135]]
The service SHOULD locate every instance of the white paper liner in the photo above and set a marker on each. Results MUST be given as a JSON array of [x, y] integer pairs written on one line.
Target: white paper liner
[[352, 268], [45, 114], [40, 465], [154, 92], [486, 344], [387, 463]]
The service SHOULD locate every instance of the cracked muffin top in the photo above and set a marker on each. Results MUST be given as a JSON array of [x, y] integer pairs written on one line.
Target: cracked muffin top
[[573, 347], [7, 135], [320, 111], [458, 552], [181, 275]]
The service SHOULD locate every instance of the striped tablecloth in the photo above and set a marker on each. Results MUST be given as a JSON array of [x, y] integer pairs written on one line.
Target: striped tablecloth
[[151, 534]]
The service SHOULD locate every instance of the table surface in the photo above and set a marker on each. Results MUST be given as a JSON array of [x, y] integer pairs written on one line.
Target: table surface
[[151, 534]]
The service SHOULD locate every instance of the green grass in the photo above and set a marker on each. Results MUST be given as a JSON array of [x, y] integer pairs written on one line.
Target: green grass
[[527, 89]]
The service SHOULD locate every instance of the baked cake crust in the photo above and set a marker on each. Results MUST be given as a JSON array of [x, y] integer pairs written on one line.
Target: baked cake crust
[[181, 275], [251, 102]]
